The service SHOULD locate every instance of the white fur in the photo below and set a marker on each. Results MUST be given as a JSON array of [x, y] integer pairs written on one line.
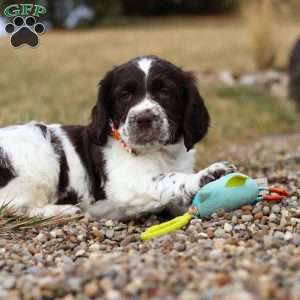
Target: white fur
[[145, 65], [151, 181], [37, 168], [156, 109], [130, 186]]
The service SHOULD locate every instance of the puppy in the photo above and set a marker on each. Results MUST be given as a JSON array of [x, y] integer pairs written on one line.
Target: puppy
[[134, 157]]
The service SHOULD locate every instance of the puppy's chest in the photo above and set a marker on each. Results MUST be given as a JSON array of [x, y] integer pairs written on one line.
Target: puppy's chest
[[131, 175]]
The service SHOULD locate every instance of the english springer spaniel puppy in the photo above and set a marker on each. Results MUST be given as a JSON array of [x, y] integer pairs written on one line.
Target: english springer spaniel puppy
[[134, 157]]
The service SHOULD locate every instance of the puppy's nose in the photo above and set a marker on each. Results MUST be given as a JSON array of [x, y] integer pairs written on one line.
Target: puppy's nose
[[145, 119]]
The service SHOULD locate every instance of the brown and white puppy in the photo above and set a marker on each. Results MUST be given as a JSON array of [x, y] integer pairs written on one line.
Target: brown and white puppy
[[134, 157]]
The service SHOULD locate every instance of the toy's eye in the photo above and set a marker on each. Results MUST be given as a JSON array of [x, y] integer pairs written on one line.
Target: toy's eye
[[237, 180]]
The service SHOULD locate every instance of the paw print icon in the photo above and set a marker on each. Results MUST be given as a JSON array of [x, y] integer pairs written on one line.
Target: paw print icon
[[24, 31]]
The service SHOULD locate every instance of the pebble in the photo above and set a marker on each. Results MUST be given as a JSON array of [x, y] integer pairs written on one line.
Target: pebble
[[250, 253], [296, 239], [272, 217], [41, 237], [91, 289], [179, 246], [219, 232], [279, 235], [275, 209], [227, 227], [247, 218], [215, 254], [288, 236], [109, 233], [109, 223], [94, 247], [80, 252], [266, 210]]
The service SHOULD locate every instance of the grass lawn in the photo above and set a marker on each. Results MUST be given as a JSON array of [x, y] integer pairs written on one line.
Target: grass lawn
[[57, 82]]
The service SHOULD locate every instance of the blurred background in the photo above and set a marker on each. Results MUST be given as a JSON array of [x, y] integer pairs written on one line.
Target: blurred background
[[244, 54]]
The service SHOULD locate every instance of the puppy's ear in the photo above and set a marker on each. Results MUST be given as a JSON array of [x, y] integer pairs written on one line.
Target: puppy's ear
[[196, 117], [98, 127]]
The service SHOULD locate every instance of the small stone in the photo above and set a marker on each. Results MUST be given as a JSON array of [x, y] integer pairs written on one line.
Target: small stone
[[216, 253], [247, 208], [109, 233], [202, 235], [109, 223], [227, 227], [266, 210], [179, 246], [98, 233], [80, 253], [295, 221], [257, 209], [41, 237], [268, 242], [296, 239], [222, 279], [258, 215], [279, 235], [113, 295], [234, 219], [272, 217], [56, 233], [247, 218], [8, 282], [288, 236], [91, 289], [210, 233], [219, 232], [275, 209], [94, 247]]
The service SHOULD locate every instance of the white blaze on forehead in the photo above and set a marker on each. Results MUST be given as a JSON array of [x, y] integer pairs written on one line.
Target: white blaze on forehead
[[145, 65]]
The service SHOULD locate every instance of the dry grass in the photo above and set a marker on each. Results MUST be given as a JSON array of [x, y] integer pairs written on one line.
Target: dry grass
[[260, 17], [10, 220], [57, 82]]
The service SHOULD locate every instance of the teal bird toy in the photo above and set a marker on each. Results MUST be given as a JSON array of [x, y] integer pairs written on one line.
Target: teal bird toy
[[229, 192]]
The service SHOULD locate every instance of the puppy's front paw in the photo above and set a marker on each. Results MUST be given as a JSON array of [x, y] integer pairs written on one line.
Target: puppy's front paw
[[220, 169], [216, 171]]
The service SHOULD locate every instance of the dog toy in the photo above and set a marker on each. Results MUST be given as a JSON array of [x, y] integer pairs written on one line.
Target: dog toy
[[228, 192]]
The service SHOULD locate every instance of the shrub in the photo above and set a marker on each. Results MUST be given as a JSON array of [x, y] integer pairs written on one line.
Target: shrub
[[260, 17]]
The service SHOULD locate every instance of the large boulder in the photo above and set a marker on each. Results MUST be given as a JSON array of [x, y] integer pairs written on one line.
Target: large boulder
[[294, 74]]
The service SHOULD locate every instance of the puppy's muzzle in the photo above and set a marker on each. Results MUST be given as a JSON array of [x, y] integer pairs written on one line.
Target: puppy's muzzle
[[145, 120]]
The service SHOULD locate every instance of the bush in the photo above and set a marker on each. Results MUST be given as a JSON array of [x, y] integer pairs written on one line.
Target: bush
[[260, 18]]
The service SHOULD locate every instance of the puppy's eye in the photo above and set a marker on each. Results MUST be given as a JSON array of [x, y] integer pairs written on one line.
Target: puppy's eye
[[125, 96], [164, 91]]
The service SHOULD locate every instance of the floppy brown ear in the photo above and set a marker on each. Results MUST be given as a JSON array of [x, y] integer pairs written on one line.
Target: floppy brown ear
[[98, 127], [196, 117]]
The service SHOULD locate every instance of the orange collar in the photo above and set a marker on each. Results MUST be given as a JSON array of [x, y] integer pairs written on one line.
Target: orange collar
[[115, 134]]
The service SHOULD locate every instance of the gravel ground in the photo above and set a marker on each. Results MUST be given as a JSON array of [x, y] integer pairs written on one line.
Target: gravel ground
[[251, 253]]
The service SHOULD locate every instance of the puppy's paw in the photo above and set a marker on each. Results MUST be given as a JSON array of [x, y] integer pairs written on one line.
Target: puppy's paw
[[216, 171]]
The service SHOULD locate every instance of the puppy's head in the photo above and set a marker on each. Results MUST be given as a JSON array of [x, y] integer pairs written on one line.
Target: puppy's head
[[152, 103]]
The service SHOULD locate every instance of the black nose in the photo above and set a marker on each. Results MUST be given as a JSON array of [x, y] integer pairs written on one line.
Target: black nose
[[145, 119]]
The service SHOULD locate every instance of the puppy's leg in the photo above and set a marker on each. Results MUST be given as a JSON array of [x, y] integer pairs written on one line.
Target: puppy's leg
[[157, 192], [52, 210], [179, 205], [182, 187]]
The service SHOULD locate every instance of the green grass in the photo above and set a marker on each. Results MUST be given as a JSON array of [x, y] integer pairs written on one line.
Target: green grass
[[242, 114]]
